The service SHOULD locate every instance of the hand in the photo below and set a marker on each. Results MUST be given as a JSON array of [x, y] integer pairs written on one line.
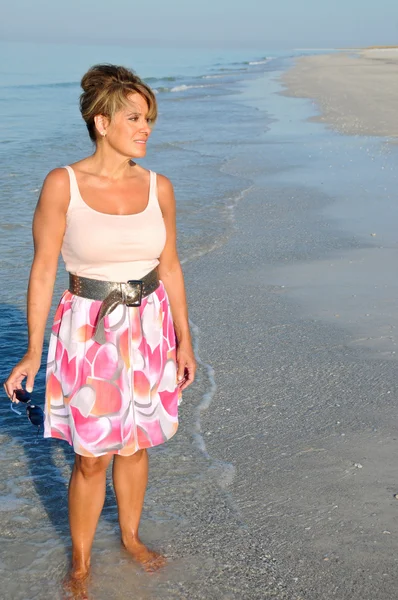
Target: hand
[[186, 365], [27, 367]]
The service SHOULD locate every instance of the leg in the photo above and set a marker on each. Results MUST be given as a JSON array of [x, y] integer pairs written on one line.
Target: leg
[[130, 476], [86, 499]]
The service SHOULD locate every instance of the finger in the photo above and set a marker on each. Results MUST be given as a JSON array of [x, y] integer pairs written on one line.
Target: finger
[[181, 377], [13, 398], [180, 371], [6, 390], [185, 384], [30, 381], [14, 382], [189, 377], [9, 389]]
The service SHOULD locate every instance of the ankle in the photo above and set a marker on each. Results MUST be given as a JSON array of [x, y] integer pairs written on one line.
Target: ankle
[[130, 538], [80, 567]]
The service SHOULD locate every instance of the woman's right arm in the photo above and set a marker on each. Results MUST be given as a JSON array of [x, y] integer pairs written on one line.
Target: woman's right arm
[[49, 223]]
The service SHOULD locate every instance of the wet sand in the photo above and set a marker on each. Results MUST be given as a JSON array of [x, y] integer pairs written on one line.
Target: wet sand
[[356, 92], [298, 318]]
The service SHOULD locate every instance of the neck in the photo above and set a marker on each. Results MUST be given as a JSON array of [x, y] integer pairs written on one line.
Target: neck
[[107, 163]]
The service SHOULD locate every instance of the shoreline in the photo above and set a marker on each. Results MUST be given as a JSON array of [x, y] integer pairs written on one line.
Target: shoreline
[[356, 95], [304, 356]]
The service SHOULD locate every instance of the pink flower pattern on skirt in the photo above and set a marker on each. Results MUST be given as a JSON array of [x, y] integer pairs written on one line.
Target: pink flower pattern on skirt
[[118, 397]]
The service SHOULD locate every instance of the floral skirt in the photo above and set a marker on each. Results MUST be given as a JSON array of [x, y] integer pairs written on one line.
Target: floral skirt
[[120, 396]]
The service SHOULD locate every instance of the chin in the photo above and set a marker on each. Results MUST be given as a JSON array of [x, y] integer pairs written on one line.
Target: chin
[[138, 154]]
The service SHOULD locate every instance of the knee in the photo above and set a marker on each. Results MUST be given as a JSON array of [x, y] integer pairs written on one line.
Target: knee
[[91, 467], [140, 455]]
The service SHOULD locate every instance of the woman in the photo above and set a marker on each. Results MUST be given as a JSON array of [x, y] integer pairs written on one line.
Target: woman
[[115, 372]]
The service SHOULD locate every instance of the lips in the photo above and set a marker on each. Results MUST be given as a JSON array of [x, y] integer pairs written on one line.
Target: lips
[[140, 141]]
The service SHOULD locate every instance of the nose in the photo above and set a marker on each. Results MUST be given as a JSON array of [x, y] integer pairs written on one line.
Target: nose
[[146, 128]]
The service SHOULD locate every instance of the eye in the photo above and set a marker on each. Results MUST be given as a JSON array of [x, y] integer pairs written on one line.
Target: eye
[[149, 121], [133, 118]]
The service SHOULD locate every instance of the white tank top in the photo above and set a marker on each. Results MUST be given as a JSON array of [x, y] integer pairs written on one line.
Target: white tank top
[[112, 247]]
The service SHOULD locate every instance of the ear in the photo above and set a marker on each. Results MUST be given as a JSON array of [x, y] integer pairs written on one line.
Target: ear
[[101, 124]]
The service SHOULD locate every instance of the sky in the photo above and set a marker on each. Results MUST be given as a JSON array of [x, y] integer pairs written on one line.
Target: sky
[[204, 23]]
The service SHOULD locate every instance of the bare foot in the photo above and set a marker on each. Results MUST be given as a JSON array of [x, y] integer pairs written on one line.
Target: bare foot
[[150, 560], [76, 583]]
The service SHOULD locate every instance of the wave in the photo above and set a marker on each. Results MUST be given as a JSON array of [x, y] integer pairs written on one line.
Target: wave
[[244, 63], [179, 88], [183, 87], [233, 69], [232, 64], [155, 79], [211, 76]]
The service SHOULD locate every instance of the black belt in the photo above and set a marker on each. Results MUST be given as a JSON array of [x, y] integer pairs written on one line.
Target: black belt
[[111, 294]]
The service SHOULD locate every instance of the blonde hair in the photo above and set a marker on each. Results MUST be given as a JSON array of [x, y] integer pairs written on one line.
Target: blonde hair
[[105, 91]]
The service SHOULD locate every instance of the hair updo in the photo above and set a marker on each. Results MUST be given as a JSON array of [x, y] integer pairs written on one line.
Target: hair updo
[[105, 91]]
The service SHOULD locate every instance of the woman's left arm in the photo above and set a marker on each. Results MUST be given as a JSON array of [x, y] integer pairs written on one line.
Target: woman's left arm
[[171, 275]]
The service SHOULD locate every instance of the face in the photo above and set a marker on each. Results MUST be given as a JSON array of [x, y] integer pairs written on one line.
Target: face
[[128, 131]]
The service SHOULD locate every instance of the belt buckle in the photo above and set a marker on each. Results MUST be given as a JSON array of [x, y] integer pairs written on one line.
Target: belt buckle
[[133, 283]]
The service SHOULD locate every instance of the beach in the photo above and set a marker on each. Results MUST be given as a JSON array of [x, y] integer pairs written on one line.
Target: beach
[[356, 91], [306, 367], [280, 481]]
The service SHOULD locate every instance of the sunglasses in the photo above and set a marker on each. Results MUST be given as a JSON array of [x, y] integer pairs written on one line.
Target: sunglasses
[[34, 413]]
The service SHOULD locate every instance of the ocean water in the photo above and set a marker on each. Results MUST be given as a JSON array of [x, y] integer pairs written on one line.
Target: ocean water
[[204, 129]]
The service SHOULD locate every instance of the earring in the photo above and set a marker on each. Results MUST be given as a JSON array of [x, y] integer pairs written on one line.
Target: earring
[[103, 133]]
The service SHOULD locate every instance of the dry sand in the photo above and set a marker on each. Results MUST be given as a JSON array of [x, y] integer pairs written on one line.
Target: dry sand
[[357, 93]]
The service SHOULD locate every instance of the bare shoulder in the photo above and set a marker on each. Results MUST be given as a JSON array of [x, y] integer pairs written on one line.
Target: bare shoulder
[[57, 178], [165, 187], [164, 182], [56, 189], [166, 197]]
